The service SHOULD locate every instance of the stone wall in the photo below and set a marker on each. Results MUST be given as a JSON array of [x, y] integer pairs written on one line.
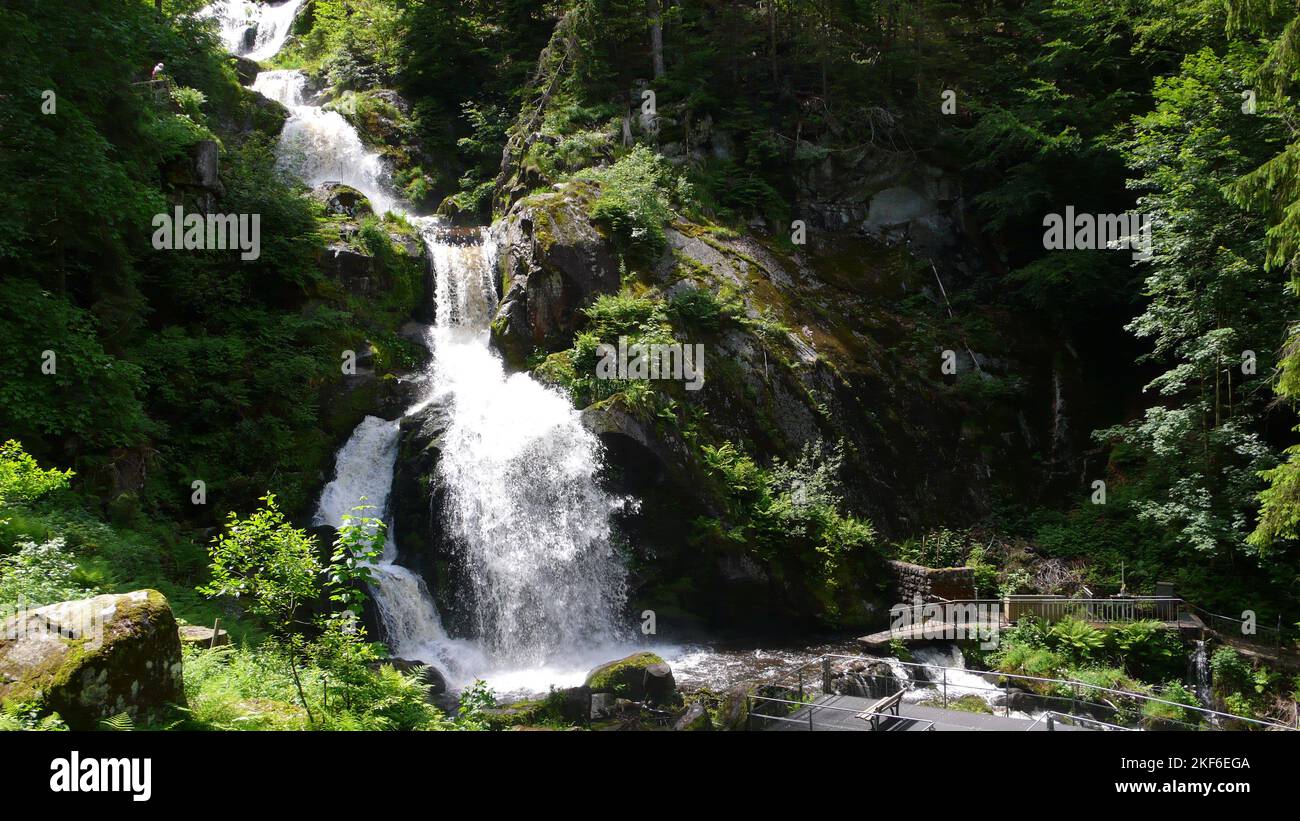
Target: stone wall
[[912, 580]]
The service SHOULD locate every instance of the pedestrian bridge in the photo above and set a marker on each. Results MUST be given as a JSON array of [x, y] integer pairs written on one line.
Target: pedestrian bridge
[[981, 619]]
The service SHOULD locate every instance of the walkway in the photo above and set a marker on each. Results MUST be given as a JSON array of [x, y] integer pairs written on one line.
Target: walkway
[[840, 713]]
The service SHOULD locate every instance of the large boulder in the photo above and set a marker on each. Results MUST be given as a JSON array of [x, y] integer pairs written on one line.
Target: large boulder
[[246, 69], [342, 200], [554, 262], [642, 677], [92, 659]]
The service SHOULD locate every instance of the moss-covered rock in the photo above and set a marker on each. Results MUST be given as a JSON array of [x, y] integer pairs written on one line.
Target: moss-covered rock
[[92, 659], [695, 718], [641, 676], [555, 262]]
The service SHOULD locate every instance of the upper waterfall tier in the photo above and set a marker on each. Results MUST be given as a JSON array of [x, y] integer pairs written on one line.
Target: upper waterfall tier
[[253, 30]]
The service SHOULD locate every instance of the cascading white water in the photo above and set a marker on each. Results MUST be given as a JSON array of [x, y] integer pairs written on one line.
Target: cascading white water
[[363, 476], [251, 29], [519, 470], [959, 682], [523, 504], [319, 146], [1200, 674]]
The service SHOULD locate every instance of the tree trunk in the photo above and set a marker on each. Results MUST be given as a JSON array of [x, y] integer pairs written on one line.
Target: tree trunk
[[656, 37], [771, 37]]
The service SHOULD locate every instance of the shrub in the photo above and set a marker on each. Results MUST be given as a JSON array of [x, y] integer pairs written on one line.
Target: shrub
[[634, 201], [1155, 712], [22, 480], [1078, 640], [1231, 672], [39, 574]]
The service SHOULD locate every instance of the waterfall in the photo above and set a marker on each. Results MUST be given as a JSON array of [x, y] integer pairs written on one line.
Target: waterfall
[[1199, 672], [319, 146], [523, 504], [253, 30], [524, 510], [959, 681]]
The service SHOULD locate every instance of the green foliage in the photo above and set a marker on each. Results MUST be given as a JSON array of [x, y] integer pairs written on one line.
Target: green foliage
[[1076, 640], [474, 700], [266, 562], [356, 550], [940, 548], [20, 716], [635, 200], [250, 688], [1230, 672], [22, 480], [1209, 292], [789, 516], [39, 574], [703, 309], [1148, 649], [1157, 712]]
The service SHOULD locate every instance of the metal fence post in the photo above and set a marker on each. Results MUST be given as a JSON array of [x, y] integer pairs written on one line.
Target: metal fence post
[[945, 688]]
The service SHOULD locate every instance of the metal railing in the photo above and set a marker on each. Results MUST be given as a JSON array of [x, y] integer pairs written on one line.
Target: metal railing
[[812, 708], [1127, 608], [1051, 718], [1046, 691], [1232, 631]]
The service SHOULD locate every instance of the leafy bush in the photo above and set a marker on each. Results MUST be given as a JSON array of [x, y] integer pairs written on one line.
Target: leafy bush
[[1230, 672], [701, 308], [22, 481], [1155, 712], [1149, 650], [39, 574], [1077, 640], [788, 516], [635, 200]]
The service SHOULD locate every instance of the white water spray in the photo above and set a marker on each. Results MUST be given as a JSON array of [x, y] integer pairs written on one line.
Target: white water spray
[[524, 508], [523, 504], [319, 146], [251, 29]]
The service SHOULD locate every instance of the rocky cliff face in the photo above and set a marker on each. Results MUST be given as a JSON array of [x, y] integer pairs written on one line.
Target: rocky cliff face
[[553, 263]]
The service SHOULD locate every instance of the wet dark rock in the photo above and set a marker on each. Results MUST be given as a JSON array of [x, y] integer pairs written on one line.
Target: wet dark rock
[[695, 718], [733, 710], [342, 200], [246, 70], [426, 673], [554, 262]]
